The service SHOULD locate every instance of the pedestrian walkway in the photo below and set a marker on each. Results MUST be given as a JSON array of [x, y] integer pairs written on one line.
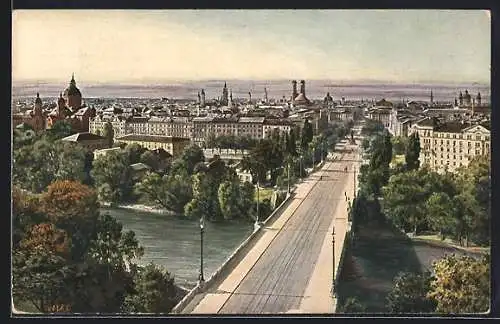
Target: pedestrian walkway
[[317, 297]]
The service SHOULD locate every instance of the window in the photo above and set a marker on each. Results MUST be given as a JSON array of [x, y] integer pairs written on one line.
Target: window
[[478, 137]]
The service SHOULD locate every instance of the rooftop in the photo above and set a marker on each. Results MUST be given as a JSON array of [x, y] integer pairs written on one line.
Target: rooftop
[[79, 137], [151, 138]]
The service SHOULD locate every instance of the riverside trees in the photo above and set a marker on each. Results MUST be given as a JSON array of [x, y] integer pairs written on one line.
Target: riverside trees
[[457, 285]]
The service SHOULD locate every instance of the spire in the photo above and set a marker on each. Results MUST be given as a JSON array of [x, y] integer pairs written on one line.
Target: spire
[[73, 82], [38, 95]]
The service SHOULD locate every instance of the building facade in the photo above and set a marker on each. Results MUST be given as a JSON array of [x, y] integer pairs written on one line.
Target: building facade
[[173, 145], [450, 145]]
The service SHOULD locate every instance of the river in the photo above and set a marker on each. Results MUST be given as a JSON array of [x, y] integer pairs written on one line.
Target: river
[[175, 243]]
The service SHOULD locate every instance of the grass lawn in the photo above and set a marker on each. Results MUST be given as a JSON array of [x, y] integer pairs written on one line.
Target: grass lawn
[[264, 193], [434, 238]]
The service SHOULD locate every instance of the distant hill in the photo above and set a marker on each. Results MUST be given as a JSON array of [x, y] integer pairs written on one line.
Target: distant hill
[[315, 89]]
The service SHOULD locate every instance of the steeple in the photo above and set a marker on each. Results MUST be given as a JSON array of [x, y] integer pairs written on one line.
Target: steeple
[[432, 97]]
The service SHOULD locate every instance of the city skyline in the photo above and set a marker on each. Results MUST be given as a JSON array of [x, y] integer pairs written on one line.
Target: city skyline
[[183, 45]]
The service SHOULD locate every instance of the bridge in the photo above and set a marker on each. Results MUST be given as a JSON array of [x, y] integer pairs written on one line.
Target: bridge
[[287, 265]]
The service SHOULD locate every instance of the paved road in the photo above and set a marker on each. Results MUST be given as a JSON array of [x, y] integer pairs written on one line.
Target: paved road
[[277, 281]]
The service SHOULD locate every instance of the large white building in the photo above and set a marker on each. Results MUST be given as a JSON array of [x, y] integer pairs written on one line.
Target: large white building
[[198, 129], [450, 145]]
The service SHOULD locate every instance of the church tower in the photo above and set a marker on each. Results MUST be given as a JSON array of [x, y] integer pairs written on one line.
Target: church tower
[[72, 95], [432, 97], [294, 90], [478, 99], [225, 99], [202, 102]]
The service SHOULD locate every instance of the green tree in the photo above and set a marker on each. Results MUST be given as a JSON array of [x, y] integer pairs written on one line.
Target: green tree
[[150, 159], [38, 165], [409, 294], [155, 291], [412, 152], [111, 174], [191, 156], [399, 144], [352, 305], [404, 201], [461, 285], [171, 192], [133, 153], [108, 133], [292, 143], [230, 199], [474, 185], [307, 135], [441, 211], [60, 129]]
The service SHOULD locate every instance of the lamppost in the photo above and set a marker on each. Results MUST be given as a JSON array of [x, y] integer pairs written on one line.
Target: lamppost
[[202, 229], [256, 225], [333, 258], [354, 167], [288, 175], [300, 167]]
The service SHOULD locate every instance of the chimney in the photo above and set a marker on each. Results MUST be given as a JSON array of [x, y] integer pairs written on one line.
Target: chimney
[[294, 89], [303, 87]]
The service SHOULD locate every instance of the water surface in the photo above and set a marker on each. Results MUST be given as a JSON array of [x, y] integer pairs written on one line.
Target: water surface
[[175, 243]]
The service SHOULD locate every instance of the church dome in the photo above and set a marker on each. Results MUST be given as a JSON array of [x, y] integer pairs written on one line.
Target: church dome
[[72, 90]]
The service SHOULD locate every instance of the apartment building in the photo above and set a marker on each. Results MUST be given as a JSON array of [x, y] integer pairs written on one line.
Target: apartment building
[[96, 124], [450, 145], [173, 145]]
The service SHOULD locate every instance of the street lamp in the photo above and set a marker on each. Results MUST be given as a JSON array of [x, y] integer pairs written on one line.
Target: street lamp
[[288, 175], [256, 225], [300, 167], [202, 229], [333, 258]]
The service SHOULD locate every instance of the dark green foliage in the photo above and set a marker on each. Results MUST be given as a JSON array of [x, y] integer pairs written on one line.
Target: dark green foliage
[[307, 135], [409, 294], [412, 152], [38, 165], [154, 291]]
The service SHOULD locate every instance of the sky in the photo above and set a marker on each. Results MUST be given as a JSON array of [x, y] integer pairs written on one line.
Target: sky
[[103, 46]]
